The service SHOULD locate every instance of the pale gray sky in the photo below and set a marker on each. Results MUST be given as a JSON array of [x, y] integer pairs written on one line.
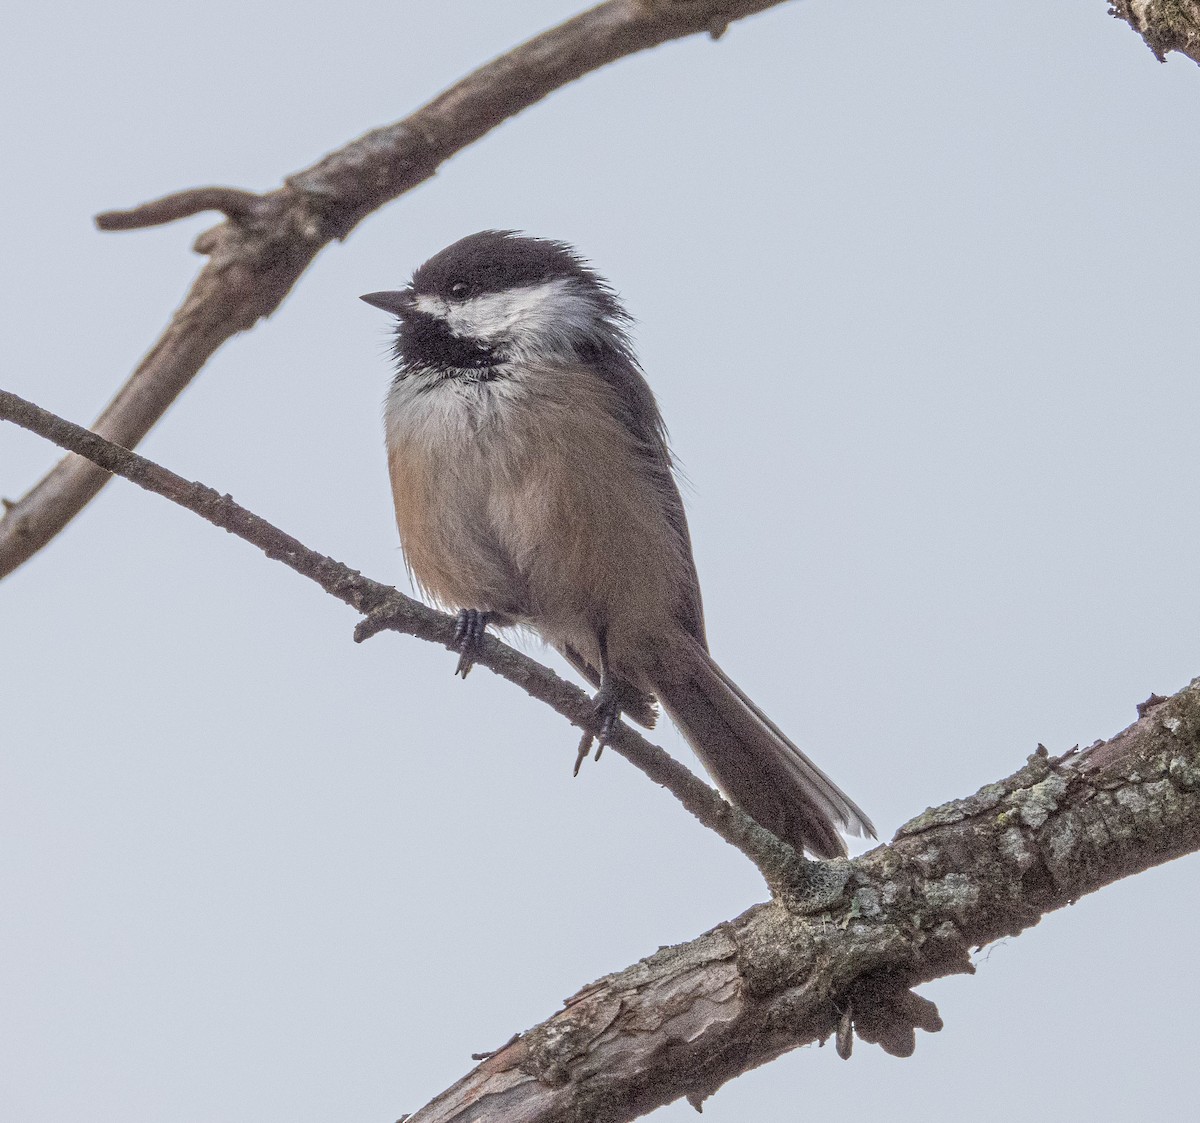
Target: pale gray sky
[[915, 288]]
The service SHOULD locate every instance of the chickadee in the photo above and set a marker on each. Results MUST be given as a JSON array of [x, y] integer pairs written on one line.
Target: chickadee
[[534, 487]]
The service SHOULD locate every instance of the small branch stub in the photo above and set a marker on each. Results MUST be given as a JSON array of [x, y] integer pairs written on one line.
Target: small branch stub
[[237, 205]]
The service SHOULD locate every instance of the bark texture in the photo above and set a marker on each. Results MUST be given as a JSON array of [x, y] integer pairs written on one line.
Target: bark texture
[[839, 957], [1165, 25], [258, 254]]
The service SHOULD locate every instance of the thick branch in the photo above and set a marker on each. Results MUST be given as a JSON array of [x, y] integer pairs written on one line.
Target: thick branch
[[259, 254], [841, 959], [386, 608], [1165, 25]]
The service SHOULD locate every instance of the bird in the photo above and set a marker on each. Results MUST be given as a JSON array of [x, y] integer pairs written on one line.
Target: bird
[[534, 488]]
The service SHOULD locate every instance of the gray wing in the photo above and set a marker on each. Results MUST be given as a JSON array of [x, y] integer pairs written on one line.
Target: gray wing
[[639, 413]]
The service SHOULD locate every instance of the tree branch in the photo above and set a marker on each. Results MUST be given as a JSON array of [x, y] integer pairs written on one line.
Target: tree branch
[[841, 943], [258, 255], [1165, 25], [385, 607], [839, 961], [234, 203]]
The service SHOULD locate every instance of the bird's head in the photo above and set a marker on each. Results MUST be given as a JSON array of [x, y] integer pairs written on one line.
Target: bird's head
[[498, 298]]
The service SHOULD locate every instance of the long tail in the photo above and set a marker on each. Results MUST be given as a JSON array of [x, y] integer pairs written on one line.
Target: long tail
[[752, 761]]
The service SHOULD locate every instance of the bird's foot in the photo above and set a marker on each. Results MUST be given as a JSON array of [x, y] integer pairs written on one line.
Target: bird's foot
[[606, 711], [469, 630]]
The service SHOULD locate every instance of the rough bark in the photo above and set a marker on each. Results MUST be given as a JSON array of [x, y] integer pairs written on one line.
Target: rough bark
[[839, 959], [1165, 25], [258, 254]]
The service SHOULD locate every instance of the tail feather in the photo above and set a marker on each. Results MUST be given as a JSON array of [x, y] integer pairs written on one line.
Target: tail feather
[[753, 762]]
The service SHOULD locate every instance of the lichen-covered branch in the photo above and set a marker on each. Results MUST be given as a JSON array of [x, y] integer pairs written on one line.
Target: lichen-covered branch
[[258, 254], [1165, 25], [384, 607], [839, 959]]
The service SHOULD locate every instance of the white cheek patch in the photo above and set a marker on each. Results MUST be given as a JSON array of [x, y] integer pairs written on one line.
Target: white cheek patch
[[432, 305], [535, 318]]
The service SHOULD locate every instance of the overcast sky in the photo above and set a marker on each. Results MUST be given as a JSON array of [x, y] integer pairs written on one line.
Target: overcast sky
[[915, 286]]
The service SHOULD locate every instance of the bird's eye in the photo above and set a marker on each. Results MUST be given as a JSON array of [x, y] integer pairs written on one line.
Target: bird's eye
[[460, 290]]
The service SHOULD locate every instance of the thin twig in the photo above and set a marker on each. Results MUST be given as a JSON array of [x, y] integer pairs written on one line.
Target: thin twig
[[251, 271], [232, 202], [386, 608]]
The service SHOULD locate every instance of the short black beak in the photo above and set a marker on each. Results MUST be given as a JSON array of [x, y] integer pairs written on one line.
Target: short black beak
[[395, 302]]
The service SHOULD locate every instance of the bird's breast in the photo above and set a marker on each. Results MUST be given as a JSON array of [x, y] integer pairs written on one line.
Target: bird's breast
[[532, 488]]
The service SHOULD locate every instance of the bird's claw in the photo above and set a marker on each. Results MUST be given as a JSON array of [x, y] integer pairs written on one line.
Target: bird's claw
[[606, 710], [469, 630]]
